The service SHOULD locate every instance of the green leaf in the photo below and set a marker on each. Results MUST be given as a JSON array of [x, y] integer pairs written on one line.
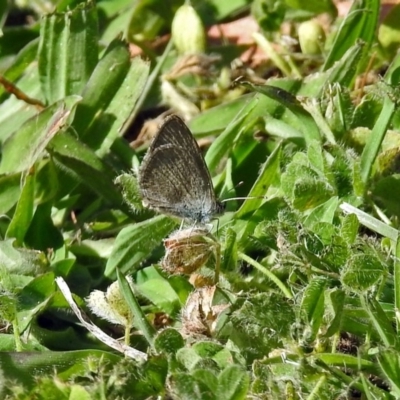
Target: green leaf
[[160, 293], [21, 261], [339, 360], [267, 273], [46, 184], [68, 51], [334, 301], [83, 164], [135, 243], [361, 272], [229, 257], [339, 110], [23, 58], [42, 234], [337, 251], [307, 124], [8, 307], [207, 349], [322, 213], [27, 144], [100, 89], [110, 96], [23, 214], [217, 119], [216, 10], [233, 383], [185, 386], [396, 278], [315, 156], [147, 18], [256, 317], [313, 7], [188, 357], [223, 143], [23, 367], [312, 305], [34, 298], [303, 198], [10, 189], [169, 341], [349, 228], [130, 191], [299, 164], [345, 68], [111, 123], [269, 15], [14, 113], [207, 376]]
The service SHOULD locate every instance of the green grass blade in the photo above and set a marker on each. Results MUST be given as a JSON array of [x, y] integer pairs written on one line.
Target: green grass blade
[[267, 273], [371, 222], [139, 317], [378, 133], [224, 142], [396, 280], [268, 174], [360, 24], [380, 321]]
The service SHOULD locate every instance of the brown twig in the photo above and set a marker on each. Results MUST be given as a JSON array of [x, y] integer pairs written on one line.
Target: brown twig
[[19, 94]]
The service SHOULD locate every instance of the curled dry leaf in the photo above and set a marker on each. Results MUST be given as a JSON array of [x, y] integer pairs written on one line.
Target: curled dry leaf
[[199, 316], [148, 131]]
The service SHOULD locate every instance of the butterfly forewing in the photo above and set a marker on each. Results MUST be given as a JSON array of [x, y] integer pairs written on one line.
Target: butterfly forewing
[[174, 178]]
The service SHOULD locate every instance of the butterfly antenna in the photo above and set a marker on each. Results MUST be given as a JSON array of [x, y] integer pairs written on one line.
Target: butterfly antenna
[[243, 198]]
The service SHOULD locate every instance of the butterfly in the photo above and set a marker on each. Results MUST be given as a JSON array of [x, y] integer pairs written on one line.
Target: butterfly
[[174, 178]]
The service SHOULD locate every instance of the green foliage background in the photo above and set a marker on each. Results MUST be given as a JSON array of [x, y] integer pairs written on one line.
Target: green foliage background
[[309, 261]]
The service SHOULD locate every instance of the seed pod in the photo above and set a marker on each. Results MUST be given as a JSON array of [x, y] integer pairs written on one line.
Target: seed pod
[[311, 37], [188, 31], [111, 305], [187, 250]]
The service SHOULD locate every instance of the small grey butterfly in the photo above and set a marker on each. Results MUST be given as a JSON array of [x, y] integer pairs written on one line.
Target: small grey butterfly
[[174, 178]]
